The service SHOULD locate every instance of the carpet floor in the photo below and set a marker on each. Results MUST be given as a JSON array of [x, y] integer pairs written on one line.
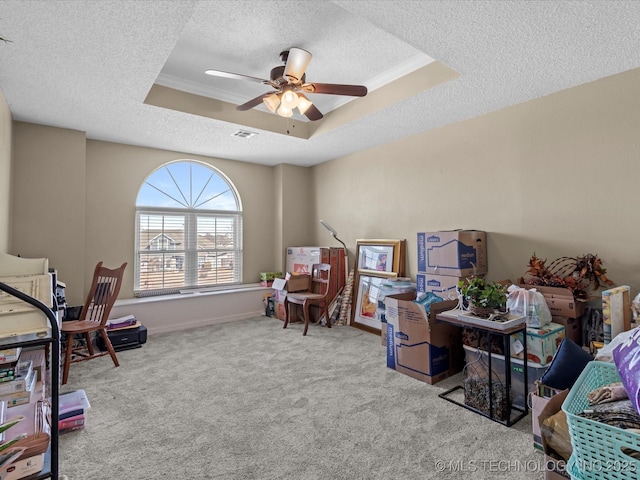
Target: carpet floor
[[249, 400]]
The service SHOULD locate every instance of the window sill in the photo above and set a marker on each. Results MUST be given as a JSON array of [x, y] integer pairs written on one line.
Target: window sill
[[186, 294]]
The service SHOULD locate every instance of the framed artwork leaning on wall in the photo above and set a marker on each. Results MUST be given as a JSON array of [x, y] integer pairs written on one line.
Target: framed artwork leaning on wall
[[377, 261]]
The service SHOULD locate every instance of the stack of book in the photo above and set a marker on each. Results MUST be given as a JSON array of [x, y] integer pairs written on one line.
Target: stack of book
[[17, 378], [71, 411]]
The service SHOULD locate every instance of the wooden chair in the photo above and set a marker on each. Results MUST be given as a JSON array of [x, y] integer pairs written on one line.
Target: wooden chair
[[316, 295], [95, 313]]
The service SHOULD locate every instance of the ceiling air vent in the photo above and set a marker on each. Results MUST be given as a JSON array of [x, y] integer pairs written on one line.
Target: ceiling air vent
[[244, 134]]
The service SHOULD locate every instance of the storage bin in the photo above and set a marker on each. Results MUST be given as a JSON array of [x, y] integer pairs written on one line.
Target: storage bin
[[534, 372], [572, 469], [597, 447]]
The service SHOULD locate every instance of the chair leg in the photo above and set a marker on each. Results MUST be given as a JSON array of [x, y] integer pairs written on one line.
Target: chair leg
[[306, 318], [67, 359], [87, 339], [286, 313], [107, 342]]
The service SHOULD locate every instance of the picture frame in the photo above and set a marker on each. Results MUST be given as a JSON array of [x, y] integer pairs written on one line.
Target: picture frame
[[380, 257], [377, 261], [365, 313]]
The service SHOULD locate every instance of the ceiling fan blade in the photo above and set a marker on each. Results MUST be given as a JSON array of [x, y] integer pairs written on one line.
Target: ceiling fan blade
[[335, 89], [253, 102], [236, 76], [297, 62], [313, 113]]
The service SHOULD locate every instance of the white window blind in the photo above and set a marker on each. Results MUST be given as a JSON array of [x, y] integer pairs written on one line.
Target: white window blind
[[188, 230]]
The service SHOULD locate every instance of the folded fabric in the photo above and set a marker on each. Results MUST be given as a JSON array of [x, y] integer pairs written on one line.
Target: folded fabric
[[621, 414], [607, 393]]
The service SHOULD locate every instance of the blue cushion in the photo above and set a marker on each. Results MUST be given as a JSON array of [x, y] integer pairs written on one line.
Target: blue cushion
[[566, 366]]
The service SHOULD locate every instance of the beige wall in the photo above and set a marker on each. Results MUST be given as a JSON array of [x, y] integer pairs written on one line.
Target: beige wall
[[116, 172], [75, 203], [292, 209], [557, 176], [5, 175], [48, 193]]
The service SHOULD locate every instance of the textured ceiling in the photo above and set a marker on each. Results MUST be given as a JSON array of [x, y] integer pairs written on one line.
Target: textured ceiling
[[89, 65]]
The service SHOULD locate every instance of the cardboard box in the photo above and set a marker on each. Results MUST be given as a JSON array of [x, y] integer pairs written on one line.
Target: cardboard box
[[444, 286], [572, 327], [542, 343], [457, 253], [24, 467], [537, 404], [441, 285], [292, 283], [301, 259], [555, 465], [539, 398], [278, 304], [420, 346], [555, 469], [561, 301], [381, 311]]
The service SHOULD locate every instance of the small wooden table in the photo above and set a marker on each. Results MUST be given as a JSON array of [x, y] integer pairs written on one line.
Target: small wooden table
[[452, 317]]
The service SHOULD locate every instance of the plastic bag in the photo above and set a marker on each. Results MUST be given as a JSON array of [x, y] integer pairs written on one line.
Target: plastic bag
[[529, 303]]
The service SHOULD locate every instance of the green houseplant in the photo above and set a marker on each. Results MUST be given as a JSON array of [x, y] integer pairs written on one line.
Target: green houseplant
[[482, 297]]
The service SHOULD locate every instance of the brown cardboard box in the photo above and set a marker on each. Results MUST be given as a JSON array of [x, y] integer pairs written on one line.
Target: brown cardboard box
[[297, 282], [555, 466], [572, 327], [383, 317], [561, 301], [441, 285], [456, 253], [291, 283], [538, 400], [420, 346], [413, 319]]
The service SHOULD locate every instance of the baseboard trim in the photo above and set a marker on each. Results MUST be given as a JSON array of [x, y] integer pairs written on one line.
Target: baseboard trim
[[202, 323]]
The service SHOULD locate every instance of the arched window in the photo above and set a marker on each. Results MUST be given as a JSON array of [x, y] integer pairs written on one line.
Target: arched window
[[188, 229]]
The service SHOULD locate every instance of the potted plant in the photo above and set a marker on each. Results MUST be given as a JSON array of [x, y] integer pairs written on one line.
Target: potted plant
[[482, 297]]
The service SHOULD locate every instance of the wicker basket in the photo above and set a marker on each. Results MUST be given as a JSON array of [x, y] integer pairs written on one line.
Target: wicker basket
[[598, 447]]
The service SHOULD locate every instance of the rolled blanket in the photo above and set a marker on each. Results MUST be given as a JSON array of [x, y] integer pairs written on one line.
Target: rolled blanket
[[607, 393]]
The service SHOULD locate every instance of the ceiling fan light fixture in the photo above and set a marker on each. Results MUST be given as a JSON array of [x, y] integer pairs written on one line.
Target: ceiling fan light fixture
[[289, 100], [272, 102], [297, 62], [303, 104], [284, 111]]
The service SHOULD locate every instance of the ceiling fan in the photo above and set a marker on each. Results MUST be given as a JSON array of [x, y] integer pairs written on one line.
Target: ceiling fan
[[289, 82]]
